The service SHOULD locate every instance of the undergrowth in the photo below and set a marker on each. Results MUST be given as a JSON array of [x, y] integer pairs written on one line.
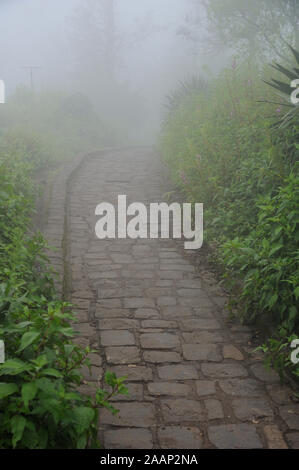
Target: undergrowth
[[40, 405], [222, 150]]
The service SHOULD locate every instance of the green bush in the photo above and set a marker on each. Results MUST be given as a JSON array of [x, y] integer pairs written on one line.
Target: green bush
[[40, 406], [223, 152]]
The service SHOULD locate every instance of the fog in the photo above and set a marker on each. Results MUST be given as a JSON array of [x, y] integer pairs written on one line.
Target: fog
[[65, 41], [125, 56]]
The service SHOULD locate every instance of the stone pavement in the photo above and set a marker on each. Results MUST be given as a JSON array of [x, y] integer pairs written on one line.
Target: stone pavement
[[194, 379]]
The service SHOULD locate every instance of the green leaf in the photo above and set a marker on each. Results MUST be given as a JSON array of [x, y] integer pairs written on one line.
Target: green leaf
[[275, 249], [27, 339], [67, 331], [28, 392], [7, 389], [17, 423], [81, 442], [40, 361], [272, 301], [52, 373], [83, 417], [14, 367]]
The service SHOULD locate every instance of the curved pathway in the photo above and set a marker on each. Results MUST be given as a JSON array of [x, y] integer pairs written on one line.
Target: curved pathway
[[194, 379]]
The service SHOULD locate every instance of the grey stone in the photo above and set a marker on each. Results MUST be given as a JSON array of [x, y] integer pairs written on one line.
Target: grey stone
[[117, 338], [159, 341], [251, 408], [234, 436], [122, 259], [158, 324], [95, 359], [84, 329], [117, 324], [133, 373], [135, 414], [128, 438], [177, 372], [200, 337], [179, 437], [172, 275], [293, 439], [180, 410], [119, 293], [195, 302], [242, 388], [269, 376], [168, 388], [274, 437], [231, 352], [135, 392], [102, 312], [200, 324], [280, 394], [190, 292], [205, 387], [92, 374], [108, 303], [159, 292], [164, 301], [214, 409], [139, 303], [145, 313], [290, 414], [201, 352], [176, 313], [189, 284], [123, 355], [158, 357], [223, 370]]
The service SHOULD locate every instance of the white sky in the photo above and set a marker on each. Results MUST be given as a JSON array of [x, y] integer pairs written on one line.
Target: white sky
[[35, 32]]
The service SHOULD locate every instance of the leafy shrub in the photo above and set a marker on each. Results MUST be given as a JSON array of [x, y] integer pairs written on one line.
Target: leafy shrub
[[285, 90], [186, 89], [27, 147], [222, 151], [40, 406], [269, 258]]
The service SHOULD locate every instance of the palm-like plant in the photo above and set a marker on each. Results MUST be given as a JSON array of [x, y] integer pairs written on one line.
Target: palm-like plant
[[186, 88], [285, 90]]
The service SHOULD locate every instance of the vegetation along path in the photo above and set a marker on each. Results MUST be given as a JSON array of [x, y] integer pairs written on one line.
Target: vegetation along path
[[194, 379]]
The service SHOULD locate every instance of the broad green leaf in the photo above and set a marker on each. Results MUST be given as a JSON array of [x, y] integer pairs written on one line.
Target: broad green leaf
[[7, 389], [41, 361], [14, 367], [52, 372], [81, 442], [17, 423], [27, 339], [83, 418], [272, 301], [28, 392]]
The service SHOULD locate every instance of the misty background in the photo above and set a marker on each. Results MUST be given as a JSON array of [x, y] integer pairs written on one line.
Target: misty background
[[120, 58], [67, 41]]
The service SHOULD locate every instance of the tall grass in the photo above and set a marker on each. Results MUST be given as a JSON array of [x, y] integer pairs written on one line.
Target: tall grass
[[222, 151]]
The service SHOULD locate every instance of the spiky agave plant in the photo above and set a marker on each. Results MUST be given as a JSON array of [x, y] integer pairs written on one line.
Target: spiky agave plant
[[285, 90], [191, 86]]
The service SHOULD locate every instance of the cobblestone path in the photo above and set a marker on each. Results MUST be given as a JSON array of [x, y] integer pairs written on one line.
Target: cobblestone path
[[193, 378]]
